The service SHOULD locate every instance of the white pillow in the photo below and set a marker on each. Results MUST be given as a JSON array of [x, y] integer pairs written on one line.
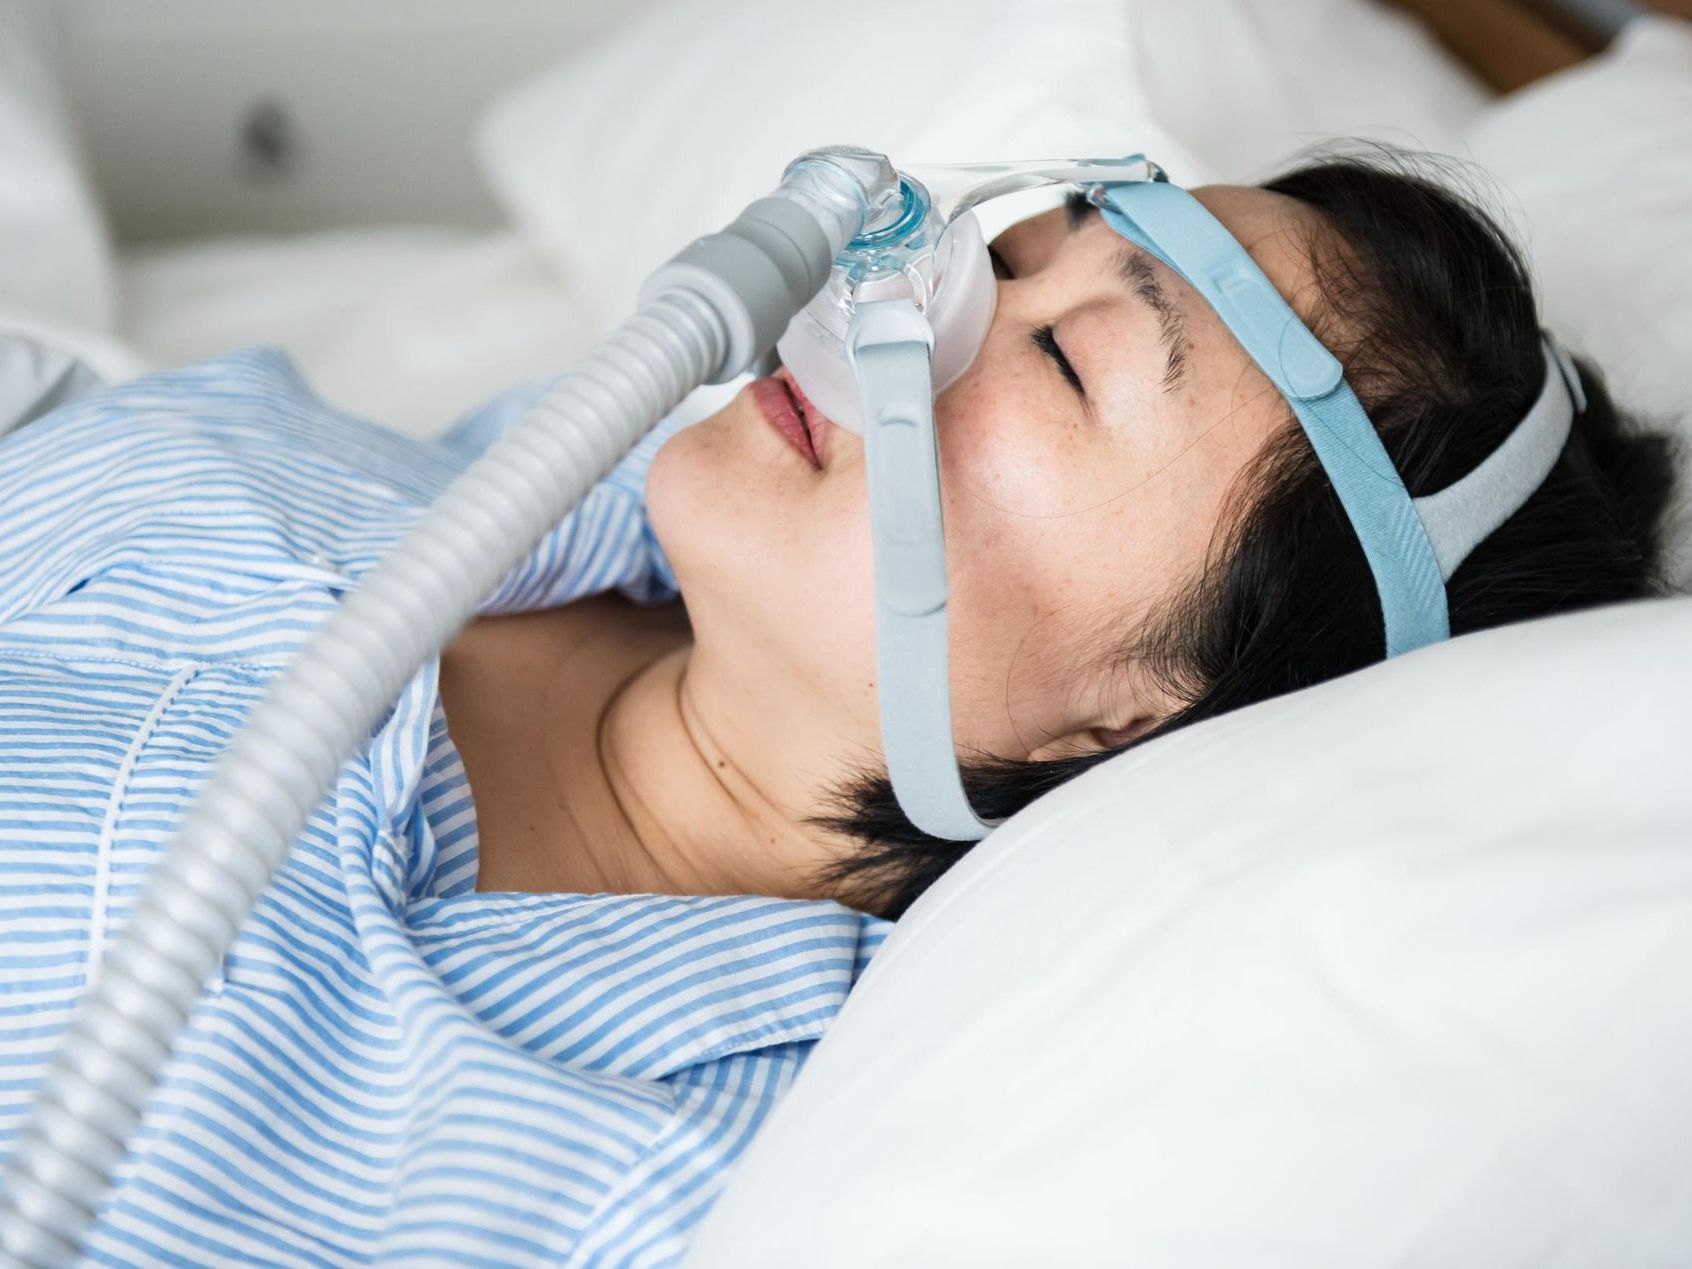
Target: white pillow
[[408, 325], [55, 264], [107, 356], [1597, 162], [633, 145], [1390, 972], [1246, 84]]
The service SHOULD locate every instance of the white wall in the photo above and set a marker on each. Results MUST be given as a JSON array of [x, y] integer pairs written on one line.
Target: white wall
[[377, 99]]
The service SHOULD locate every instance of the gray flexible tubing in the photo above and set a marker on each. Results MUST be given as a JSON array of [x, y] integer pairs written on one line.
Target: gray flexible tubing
[[315, 716]]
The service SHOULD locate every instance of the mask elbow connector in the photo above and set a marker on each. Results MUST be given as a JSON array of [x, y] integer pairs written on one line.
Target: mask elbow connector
[[778, 253]]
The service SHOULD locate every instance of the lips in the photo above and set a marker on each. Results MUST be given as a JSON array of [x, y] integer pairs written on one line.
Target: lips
[[780, 408], [820, 426], [786, 408]]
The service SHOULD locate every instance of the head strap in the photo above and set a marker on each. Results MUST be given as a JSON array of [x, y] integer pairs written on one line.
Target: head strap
[[1461, 516]]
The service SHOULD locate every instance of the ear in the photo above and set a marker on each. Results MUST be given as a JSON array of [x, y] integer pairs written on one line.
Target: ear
[[1087, 740], [1116, 737]]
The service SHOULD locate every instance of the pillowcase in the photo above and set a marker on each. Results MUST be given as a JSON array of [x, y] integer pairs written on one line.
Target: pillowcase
[[56, 263], [37, 378], [406, 325], [1247, 85], [633, 145], [1388, 972], [1596, 162]]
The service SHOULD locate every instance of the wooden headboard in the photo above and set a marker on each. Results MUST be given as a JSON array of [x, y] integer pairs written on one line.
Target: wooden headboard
[[1513, 42]]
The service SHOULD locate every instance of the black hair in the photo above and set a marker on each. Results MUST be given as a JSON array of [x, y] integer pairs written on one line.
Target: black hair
[[1429, 306]]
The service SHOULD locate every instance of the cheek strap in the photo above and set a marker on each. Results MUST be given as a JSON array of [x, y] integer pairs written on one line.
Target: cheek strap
[[890, 344]]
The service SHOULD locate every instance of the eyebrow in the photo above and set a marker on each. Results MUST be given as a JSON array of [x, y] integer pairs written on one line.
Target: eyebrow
[[1137, 274]]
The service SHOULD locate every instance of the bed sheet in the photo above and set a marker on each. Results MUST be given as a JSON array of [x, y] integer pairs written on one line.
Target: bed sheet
[[407, 325], [412, 325]]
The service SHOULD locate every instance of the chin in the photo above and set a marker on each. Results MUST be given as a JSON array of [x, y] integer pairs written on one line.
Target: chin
[[697, 504], [683, 497]]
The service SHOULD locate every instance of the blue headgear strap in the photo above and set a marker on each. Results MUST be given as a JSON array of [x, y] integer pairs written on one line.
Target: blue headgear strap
[[1175, 227]]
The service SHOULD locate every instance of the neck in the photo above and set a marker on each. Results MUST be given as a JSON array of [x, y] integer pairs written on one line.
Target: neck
[[605, 757], [682, 809]]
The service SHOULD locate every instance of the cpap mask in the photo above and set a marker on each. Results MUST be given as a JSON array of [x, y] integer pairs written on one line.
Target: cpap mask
[[874, 286], [922, 244]]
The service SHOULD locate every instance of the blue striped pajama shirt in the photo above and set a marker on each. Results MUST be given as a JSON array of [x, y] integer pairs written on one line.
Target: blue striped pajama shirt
[[391, 1067]]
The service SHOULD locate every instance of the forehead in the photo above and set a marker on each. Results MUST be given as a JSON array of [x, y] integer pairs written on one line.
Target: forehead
[[1275, 229]]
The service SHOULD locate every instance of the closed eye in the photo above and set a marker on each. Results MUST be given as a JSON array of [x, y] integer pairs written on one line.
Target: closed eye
[[1046, 341]]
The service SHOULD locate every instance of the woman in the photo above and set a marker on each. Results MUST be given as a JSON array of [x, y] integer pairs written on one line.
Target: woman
[[1138, 537], [490, 1010]]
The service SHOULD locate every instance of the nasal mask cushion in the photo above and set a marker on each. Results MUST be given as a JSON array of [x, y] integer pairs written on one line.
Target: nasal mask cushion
[[947, 276], [873, 361]]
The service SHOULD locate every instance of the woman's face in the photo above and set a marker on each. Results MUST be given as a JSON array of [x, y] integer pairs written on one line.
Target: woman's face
[[1071, 510]]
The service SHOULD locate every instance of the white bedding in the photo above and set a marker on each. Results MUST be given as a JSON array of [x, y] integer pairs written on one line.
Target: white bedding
[[412, 325], [55, 265], [1385, 974]]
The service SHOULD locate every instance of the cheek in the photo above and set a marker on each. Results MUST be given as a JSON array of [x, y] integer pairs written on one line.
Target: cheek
[[1003, 446], [1032, 491], [1015, 443], [1056, 537], [1025, 593], [1023, 588]]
